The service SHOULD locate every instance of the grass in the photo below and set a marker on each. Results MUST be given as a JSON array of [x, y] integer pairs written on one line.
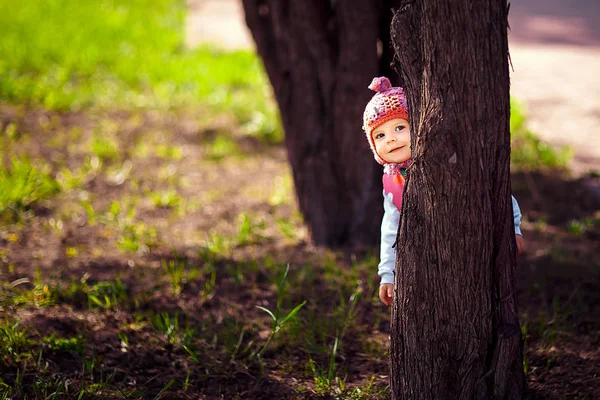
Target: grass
[[176, 271], [278, 321], [588, 224], [75, 344], [529, 152], [106, 295], [42, 295], [23, 185], [249, 230], [125, 55], [216, 340], [132, 234], [168, 326], [15, 343]]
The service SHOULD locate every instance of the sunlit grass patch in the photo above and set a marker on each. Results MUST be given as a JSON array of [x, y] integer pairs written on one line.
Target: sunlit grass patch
[[76, 178], [41, 295], [282, 190], [169, 152], [106, 294], [75, 344], [103, 49], [23, 184], [222, 146], [529, 152], [132, 234], [118, 174], [588, 225], [249, 230], [164, 199], [112, 54], [156, 143], [104, 147]]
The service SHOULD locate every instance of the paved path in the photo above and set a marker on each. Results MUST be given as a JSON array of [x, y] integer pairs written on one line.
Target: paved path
[[217, 21], [555, 52]]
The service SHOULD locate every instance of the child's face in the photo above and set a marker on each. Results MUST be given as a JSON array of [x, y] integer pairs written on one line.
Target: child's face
[[392, 140]]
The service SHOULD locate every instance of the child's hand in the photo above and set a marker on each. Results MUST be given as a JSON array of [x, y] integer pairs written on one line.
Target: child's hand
[[386, 293], [520, 244]]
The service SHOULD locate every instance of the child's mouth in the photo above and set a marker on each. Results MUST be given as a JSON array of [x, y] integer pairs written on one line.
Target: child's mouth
[[396, 149]]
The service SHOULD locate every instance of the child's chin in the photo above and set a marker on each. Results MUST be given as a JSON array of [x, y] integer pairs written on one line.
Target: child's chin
[[398, 160]]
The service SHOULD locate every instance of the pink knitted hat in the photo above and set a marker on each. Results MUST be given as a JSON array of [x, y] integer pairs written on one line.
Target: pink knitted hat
[[388, 103]]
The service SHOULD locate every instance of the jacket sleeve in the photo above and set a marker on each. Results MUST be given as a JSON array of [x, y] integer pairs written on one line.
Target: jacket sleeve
[[389, 230], [516, 216]]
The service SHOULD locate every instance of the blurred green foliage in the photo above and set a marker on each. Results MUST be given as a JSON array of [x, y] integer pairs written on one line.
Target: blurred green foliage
[[71, 55], [529, 152]]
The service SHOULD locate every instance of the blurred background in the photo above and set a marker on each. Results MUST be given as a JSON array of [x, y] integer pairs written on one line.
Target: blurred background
[[150, 241]]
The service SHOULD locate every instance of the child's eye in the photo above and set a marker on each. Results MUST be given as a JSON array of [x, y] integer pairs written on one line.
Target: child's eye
[[399, 127], [379, 135]]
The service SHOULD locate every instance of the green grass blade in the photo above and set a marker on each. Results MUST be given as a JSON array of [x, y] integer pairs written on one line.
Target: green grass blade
[[268, 312]]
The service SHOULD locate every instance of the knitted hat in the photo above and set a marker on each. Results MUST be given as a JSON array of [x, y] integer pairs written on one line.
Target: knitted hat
[[388, 103]]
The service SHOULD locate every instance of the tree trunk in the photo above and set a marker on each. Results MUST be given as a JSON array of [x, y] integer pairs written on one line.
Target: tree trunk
[[320, 57], [455, 329]]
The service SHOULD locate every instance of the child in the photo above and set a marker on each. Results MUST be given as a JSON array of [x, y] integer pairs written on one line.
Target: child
[[385, 122]]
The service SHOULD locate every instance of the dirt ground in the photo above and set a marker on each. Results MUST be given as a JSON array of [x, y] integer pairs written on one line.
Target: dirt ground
[[555, 53], [128, 353]]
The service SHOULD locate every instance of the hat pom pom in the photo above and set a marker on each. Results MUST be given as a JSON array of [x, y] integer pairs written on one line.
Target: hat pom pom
[[380, 84]]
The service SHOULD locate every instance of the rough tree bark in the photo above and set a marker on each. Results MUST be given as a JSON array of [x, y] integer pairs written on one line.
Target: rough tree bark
[[455, 328], [320, 57]]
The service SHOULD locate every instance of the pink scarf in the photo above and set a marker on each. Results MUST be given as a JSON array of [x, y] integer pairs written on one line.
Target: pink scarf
[[393, 181]]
